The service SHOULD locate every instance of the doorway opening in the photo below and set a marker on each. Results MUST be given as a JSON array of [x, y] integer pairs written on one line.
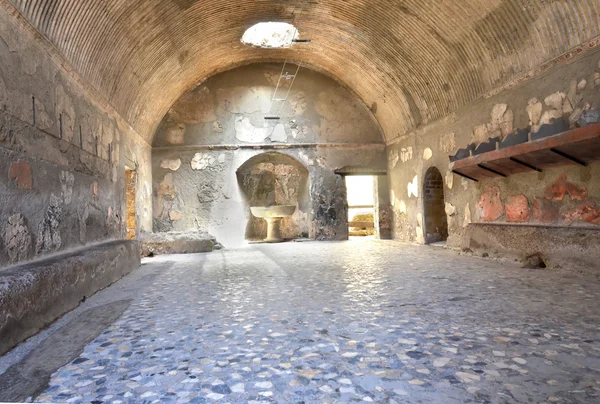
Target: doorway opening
[[130, 187], [361, 205], [436, 221]]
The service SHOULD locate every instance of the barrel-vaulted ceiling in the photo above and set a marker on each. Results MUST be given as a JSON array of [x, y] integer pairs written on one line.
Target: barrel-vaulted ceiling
[[412, 61]]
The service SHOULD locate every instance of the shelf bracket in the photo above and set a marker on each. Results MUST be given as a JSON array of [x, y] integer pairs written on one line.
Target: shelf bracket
[[565, 155], [465, 176], [524, 164], [491, 170]]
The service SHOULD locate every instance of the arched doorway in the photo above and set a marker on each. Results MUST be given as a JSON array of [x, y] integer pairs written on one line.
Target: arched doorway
[[436, 221]]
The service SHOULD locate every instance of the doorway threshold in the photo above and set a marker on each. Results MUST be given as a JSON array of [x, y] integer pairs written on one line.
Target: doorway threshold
[[441, 244]]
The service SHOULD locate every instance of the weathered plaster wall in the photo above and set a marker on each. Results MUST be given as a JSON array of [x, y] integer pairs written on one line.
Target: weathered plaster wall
[[63, 153], [564, 196], [216, 127], [211, 199], [384, 214], [229, 108]]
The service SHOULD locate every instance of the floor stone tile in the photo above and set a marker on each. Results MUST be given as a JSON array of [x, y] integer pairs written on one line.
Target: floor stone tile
[[345, 322]]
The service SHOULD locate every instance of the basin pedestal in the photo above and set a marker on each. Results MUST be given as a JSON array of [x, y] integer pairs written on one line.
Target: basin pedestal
[[273, 215], [274, 229]]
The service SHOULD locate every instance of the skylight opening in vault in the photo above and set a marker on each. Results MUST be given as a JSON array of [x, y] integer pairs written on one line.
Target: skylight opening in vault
[[270, 35]]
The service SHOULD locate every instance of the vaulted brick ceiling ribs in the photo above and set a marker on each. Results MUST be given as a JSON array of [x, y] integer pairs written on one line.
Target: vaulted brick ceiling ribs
[[411, 61]]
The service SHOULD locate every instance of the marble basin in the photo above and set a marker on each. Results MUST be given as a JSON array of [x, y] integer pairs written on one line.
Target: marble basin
[[273, 215]]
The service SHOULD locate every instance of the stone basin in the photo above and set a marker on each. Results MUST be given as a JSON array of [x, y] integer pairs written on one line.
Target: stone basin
[[273, 215]]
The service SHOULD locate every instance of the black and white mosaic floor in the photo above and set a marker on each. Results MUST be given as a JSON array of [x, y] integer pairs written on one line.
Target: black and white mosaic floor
[[345, 322]]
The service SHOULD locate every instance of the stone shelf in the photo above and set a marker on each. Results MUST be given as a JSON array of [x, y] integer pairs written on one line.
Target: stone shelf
[[580, 146]]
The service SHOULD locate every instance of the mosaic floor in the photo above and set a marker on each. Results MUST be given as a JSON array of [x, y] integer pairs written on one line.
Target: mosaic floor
[[345, 322]]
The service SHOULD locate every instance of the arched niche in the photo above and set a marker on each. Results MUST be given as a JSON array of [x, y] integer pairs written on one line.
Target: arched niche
[[271, 179], [436, 221]]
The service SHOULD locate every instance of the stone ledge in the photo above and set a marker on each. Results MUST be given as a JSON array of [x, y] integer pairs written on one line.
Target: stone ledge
[[177, 243], [574, 248], [34, 294]]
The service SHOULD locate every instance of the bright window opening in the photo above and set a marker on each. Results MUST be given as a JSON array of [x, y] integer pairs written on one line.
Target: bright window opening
[[361, 205], [270, 35]]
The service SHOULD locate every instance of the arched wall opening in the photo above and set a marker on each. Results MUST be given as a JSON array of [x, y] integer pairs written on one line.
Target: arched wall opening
[[272, 179], [435, 219], [218, 129]]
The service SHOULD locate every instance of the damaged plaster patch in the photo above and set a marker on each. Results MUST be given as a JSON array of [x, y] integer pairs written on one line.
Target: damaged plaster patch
[[175, 215], [427, 154], [83, 212], [501, 125], [243, 100], [449, 179], [571, 99], [246, 132], [279, 134], [175, 134], [534, 110], [335, 110], [393, 158], [465, 183], [448, 143], [17, 239], [502, 121], [48, 235], [517, 209], [547, 118], [587, 211], [575, 115], [171, 164], [555, 100], [406, 154], [490, 207], [166, 193], [195, 106], [43, 121], [467, 220], [297, 103], [419, 230], [306, 158], [65, 114], [66, 186], [217, 127], [561, 187], [402, 207], [298, 132], [20, 173], [95, 190], [202, 161], [413, 187], [450, 209]]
